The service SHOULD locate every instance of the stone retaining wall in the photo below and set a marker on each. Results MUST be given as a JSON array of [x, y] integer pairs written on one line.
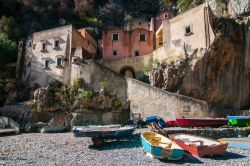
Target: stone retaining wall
[[144, 99], [149, 100]]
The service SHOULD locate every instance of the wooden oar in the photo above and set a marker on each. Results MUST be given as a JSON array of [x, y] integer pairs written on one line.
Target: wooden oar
[[232, 140], [5, 131]]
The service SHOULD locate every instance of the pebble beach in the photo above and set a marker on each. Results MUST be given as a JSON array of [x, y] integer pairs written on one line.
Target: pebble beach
[[65, 149]]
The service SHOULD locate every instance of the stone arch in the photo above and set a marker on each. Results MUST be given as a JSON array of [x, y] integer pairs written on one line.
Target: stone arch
[[127, 71]]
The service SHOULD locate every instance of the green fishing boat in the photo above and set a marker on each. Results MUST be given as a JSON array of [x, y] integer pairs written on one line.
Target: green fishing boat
[[239, 122]]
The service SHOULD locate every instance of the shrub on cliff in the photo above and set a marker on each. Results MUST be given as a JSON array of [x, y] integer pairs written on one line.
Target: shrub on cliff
[[8, 49], [2, 92]]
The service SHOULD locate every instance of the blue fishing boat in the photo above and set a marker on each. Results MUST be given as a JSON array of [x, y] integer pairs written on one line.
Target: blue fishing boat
[[156, 119], [101, 133], [242, 143], [160, 147], [238, 117]]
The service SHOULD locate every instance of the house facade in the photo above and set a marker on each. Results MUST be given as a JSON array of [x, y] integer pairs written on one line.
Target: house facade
[[186, 32], [135, 39], [175, 38], [165, 15], [48, 54]]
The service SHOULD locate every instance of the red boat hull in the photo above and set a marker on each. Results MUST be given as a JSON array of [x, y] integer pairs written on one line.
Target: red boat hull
[[201, 151], [185, 122], [172, 123]]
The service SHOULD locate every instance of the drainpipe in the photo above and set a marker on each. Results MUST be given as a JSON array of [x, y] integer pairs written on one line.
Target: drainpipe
[[206, 23]]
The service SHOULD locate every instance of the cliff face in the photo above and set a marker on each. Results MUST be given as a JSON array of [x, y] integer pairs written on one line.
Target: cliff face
[[221, 77]]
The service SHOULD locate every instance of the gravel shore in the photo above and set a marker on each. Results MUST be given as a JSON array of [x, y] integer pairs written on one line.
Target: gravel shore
[[65, 149]]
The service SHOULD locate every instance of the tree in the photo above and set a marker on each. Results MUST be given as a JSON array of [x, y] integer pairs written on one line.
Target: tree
[[85, 7], [9, 27], [168, 4], [184, 5], [8, 49], [111, 15], [128, 18]]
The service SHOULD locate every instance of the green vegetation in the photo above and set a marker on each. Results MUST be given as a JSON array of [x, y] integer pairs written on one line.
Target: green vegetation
[[149, 66], [103, 84], [86, 94], [2, 92], [117, 103], [77, 83], [185, 5], [65, 96], [8, 51], [9, 34]]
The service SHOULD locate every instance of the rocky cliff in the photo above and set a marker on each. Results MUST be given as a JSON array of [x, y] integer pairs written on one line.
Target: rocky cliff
[[219, 76]]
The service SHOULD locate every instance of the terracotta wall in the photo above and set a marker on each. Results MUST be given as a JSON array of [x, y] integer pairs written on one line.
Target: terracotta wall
[[127, 44], [161, 17], [90, 43]]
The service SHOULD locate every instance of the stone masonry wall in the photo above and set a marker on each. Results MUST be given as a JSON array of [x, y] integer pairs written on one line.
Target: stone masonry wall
[[149, 100], [144, 99]]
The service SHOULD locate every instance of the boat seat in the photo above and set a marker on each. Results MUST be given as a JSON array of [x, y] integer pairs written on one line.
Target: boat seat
[[165, 145], [199, 142]]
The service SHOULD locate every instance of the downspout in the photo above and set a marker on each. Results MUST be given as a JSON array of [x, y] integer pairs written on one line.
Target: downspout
[[206, 23]]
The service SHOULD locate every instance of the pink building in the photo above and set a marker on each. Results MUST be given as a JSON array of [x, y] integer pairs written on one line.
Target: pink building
[[136, 39]]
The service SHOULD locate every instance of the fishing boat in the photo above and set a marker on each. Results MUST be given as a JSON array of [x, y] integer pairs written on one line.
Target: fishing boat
[[160, 147], [156, 119], [100, 134], [7, 131], [189, 122], [199, 146], [238, 117], [8, 126], [172, 123], [242, 143], [239, 122]]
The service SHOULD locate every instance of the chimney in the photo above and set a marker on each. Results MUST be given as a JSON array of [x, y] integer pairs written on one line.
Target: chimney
[[152, 27]]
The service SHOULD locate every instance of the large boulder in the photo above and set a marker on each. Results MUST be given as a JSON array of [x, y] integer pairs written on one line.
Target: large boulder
[[46, 100], [11, 91]]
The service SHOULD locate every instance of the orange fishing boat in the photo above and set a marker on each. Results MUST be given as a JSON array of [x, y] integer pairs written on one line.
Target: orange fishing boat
[[199, 146]]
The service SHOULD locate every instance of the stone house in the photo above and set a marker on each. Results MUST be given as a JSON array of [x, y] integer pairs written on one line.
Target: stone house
[[175, 37], [186, 32], [165, 15], [135, 39], [49, 54]]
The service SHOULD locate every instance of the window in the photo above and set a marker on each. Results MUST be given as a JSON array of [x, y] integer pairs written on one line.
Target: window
[[56, 44], [137, 53], [142, 37], [44, 47], [34, 46], [47, 64], [140, 23], [166, 15], [114, 53], [115, 36], [188, 30], [59, 62]]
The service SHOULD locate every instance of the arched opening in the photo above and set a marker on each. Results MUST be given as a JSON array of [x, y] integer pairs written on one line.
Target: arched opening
[[128, 71]]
